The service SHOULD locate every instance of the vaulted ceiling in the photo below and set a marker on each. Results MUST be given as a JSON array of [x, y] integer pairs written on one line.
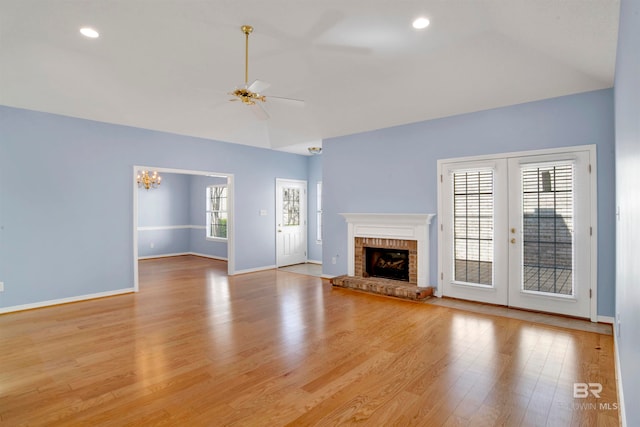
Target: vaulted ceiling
[[359, 65]]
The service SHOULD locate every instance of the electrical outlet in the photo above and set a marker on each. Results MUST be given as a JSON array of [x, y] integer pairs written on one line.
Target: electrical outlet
[[334, 260], [152, 245], [1, 286]]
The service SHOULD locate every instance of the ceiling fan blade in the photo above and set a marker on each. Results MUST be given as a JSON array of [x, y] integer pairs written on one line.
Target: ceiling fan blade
[[258, 86], [259, 111], [291, 101]]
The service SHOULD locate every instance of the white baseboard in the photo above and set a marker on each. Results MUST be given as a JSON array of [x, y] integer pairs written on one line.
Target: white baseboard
[[164, 255], [219, 258], [328, 276], [253, 270], [606, 319], [172, 227], [181, 254], [313, 261], [65, 300], [616, 361]]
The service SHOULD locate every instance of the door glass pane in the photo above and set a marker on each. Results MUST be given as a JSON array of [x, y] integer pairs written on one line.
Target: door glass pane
[[473, 226], [547, 218], [290, 206]]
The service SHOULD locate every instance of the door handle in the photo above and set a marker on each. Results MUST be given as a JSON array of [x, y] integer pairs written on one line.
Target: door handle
[[279, 231]]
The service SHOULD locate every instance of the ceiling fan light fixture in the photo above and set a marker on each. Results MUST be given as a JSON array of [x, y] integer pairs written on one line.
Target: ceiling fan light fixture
[[420, 23]]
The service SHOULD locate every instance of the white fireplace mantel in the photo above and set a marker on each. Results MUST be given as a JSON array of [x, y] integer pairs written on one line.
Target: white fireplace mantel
[[391, 226]]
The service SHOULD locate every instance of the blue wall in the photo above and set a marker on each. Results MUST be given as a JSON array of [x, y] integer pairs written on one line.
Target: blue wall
[[314, 176], [67, 230], [393, 170], [627, 112], [165, 206]]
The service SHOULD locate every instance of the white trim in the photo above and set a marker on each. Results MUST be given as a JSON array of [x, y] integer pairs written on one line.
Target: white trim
[[313, 261], [328, 276], [254, 270], [439, 227], [560, 150], [593, 199], [172, 227], [219, 258], [134, 181], [49, 303], [182, 254], [616, 360], [216, 239], [390, 226], [164, 255], [184, 171], [606, 319]]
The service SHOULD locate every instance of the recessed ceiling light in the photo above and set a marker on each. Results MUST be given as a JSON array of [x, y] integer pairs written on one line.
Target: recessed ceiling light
[[420, 23], [89, 32]]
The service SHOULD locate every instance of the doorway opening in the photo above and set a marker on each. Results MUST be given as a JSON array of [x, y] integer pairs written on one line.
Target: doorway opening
[[217, 179]]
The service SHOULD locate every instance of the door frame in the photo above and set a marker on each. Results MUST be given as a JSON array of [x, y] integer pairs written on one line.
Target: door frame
[[231, 253], [305, 217], [593, 209]]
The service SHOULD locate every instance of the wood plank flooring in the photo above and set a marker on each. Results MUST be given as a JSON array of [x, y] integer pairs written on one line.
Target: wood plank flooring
[[195, 347]]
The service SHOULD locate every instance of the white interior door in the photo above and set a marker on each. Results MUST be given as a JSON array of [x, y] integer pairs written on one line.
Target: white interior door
[[291, 222], [517, 231], [550, 234]]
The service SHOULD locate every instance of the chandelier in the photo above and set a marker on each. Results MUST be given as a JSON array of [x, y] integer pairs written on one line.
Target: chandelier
[[148, 181]]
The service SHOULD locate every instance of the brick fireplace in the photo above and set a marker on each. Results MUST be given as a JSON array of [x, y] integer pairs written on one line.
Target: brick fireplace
[[402, 232]]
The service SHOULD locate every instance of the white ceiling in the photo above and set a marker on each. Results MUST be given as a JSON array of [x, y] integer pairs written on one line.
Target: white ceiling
[[359, 65]]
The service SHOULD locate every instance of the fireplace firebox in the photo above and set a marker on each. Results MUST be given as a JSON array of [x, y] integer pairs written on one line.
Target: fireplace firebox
[[387, 263]]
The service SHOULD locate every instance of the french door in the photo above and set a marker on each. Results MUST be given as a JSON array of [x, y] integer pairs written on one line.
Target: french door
[[516, 231]]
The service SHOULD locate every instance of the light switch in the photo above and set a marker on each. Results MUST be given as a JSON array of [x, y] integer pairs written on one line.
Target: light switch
[[263, 212]]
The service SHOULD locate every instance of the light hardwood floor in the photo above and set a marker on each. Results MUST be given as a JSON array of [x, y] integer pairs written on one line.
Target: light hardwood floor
[[195, 347]]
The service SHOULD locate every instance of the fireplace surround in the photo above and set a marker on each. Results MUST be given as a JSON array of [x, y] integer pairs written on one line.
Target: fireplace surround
[[389, 231]]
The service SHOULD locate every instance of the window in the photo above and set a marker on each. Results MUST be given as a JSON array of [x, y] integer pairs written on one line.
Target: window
[[473, 226], [547, 219], [290, 207], [319, 212], [217, 211]]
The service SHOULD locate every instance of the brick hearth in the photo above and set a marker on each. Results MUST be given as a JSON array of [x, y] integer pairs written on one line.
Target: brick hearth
[[381, 286]]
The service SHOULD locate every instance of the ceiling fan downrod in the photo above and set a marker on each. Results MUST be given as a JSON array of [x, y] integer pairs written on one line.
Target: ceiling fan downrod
[[246, 29]]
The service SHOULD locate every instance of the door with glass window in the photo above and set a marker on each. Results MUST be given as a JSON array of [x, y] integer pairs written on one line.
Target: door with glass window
[[550, 233], [291, 222], [475, 263], [516, 231]]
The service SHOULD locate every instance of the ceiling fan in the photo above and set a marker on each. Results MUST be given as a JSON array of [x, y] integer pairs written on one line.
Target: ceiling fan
[[251, 94]]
